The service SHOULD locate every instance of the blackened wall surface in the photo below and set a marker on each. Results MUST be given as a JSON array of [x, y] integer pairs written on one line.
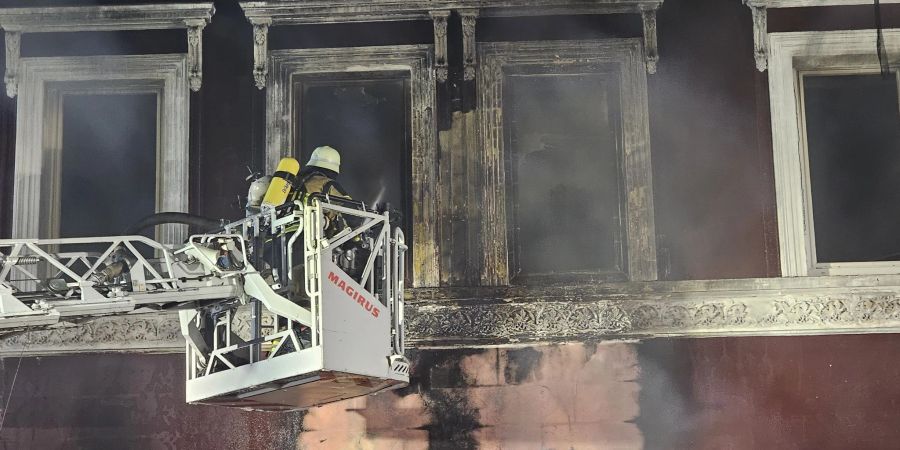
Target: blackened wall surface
[[741, 393]]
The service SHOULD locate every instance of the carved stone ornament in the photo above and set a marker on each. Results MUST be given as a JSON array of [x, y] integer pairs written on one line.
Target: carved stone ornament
[[778, 306], [260, 51], [195, 53], [13, 41], [469, 17], [760, 24], [651, 52], [190, 16], [442, 317], [266, 13], [760, 33], [440, 44]]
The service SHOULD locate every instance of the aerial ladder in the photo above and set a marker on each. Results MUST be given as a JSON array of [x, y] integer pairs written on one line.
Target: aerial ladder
[[331, 331]]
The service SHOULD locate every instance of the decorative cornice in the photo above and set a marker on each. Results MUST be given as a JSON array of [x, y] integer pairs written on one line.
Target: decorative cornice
[[778, 306], [264, 14], [147, 333], [323, 11], [448, 317], [760, 20], [811, 3], [105, 18], [190, 16]]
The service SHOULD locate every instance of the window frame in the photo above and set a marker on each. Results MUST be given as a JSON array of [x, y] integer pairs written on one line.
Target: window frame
[[623, 56], [793, 55], [45, 81], [417, 61]]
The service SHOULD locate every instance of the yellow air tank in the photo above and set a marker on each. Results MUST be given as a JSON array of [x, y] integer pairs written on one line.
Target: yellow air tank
[[282, 182]]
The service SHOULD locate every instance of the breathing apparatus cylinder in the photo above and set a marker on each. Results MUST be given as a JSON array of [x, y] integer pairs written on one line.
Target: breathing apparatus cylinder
[[282, 182], [256, 192]]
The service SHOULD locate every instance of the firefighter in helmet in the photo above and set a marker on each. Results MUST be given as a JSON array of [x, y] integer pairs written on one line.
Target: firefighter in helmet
[[320, 177], [320, 174]]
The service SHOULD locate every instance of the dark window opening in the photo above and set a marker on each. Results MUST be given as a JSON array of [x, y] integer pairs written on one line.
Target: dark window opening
[[853, 141], [366, 118], [108, 163], [565, 193]]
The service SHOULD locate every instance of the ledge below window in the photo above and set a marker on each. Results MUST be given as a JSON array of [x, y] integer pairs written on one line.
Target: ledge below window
[[450, 317]]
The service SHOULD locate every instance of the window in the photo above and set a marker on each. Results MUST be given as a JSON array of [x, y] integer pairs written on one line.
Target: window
[[565, 197], [376, 106], [107, 163], [365, 117], [112, 134], [567, 122], [836, 130]]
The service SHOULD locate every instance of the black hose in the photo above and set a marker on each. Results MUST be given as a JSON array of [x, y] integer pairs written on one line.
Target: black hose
[[203, 223]]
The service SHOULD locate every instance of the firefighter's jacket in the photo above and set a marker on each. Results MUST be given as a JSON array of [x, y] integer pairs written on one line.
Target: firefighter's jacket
[[318, 182]]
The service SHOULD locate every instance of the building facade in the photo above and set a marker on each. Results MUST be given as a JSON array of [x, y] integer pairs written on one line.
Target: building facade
[[583, 182]]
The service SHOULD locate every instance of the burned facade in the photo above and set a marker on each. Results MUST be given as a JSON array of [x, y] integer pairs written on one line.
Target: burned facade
[[580, 181]]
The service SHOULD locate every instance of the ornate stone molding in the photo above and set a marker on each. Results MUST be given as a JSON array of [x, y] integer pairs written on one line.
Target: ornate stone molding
[[195, 53], [760, 34], [626, 59], [846, 52], [298, 12], [651, 51], [13, 43], [263, 14], [440, 44], [145, 333], [808, 3], [760, 25], [780, 306], [449, 317], [190, 16], [260, 50], [469, 18], [43, 83]]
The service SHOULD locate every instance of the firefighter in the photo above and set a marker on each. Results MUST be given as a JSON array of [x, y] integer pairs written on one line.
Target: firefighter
[[320, 174], [320, 177]]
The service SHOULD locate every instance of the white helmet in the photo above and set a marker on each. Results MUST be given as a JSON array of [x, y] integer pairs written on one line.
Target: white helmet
[[326, 158]]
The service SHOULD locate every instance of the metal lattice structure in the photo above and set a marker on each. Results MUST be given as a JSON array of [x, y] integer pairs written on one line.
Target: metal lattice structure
[[335, 333]]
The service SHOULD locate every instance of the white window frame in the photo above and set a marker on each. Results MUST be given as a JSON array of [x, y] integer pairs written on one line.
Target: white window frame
[[793, 54], [43, 84]]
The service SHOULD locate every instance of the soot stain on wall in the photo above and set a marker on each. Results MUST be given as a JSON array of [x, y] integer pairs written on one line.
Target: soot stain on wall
[[521, 364]]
